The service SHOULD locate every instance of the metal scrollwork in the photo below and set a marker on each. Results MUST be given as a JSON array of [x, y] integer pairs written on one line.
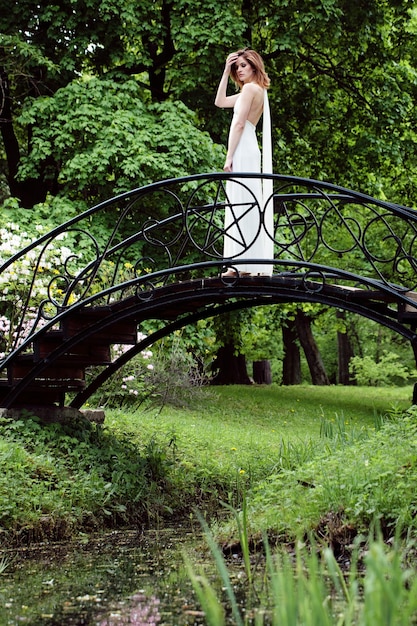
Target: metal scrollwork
[[172, 231]]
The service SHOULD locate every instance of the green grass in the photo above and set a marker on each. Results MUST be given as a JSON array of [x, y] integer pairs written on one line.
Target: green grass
[[352, 483], [286, 467], [147, 465], [253, 422], [248, 433]]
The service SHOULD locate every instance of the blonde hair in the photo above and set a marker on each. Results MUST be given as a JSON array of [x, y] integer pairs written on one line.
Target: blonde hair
[[255, 60]]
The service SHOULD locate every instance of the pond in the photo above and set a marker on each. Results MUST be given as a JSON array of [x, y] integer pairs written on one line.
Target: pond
[[104, 580]]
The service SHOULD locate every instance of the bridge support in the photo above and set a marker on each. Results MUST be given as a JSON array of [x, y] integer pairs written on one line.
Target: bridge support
[[54, 414]]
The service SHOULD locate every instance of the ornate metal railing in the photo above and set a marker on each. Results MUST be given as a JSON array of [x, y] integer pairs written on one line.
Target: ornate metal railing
[[173, 231]]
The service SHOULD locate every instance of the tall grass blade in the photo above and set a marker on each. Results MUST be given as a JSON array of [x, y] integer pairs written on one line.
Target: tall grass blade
[[222, 569], [210, 604], [243, 534]]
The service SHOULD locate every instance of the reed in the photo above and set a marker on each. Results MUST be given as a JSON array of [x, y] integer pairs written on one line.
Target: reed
[[307, 587]]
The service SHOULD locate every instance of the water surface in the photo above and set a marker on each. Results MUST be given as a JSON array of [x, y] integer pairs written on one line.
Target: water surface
[[103, 580]]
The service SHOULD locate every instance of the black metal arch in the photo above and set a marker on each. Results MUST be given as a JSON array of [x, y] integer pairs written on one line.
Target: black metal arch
[[258, 296], [74, 291]]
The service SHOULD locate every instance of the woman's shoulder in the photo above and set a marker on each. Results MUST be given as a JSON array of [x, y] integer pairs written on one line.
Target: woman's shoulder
[[253, 88], [253, 91]]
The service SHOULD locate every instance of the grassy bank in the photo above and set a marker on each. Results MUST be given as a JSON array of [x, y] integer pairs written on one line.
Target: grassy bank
[[299, 456]]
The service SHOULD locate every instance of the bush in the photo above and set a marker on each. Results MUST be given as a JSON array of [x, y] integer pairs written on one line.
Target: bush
[[62, 478], [387, 371], [169, 375]]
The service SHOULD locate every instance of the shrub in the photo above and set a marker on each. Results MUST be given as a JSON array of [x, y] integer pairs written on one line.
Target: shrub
[[387, 371], [169, 375]]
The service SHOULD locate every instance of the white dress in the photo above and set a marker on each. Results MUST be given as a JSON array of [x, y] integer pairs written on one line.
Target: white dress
[[249, 223]]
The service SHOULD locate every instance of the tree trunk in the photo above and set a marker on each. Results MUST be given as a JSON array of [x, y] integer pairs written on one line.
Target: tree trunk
[[160, 52], [248, 15], [7, 131], [344, 354], [262, 372], [308, 343], [30, 191], [231, 367], [291, 365]]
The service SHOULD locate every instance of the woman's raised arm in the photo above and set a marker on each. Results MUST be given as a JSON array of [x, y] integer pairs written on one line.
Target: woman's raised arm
[[222, 100]]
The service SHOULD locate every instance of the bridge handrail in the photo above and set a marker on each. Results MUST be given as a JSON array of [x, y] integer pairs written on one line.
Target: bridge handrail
[[303, 234], [345, 192]]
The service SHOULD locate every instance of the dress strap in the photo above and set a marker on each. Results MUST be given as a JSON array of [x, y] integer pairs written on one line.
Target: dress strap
[[266, 137], [267, 184]]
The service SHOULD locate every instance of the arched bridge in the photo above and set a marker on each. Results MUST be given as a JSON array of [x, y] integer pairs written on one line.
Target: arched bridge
[[156, 253]]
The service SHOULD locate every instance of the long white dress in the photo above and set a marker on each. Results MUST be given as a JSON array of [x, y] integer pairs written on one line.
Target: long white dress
[[249, 219]]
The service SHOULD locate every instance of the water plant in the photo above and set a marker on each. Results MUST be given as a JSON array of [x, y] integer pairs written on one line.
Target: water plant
[[4, 563], [308, 587], [367, 488]]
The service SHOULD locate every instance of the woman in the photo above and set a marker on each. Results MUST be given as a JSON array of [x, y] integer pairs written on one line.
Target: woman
[[248, 223]]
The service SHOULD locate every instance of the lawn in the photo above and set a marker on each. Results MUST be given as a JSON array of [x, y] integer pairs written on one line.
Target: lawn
[[149, 464], [303, 466], [246, 438]]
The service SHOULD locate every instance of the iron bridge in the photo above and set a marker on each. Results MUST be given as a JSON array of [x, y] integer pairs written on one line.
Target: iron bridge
[[75, 293]]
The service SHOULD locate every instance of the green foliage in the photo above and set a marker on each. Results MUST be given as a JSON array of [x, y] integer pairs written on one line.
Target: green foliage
[[336, 478], [166, 375], [368, 476], [129, 386], [228, 328], [387, 371], [351, 75], [310, 588], [348, 76], [108, 138], [72, 476], [261, 335]]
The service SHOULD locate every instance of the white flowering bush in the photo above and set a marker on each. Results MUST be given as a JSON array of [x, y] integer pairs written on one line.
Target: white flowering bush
[[38, 282], [35, 285], [130, 384], [168, 374], [27, 282]]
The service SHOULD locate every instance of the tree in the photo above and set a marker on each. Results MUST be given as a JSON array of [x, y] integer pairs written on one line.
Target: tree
[[343, 94], [291, 366], [44, 48], [261, 341], [343, 78], [344, 351], [106, 137], [347, 79], [230, 366], [309, 345], [261, 371]]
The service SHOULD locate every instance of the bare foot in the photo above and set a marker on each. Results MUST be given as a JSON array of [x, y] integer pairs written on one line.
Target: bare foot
[[230, 274]]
